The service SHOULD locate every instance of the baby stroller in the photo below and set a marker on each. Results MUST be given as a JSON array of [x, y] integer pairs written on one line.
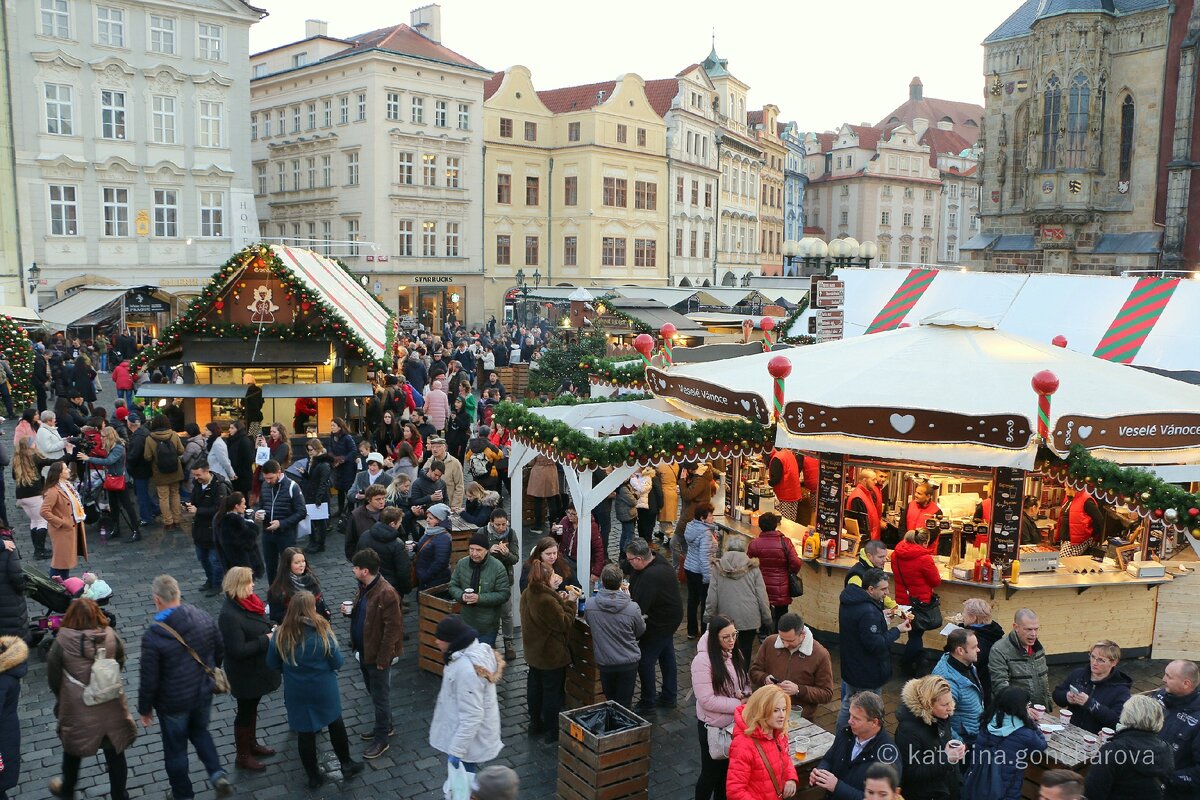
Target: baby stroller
[[52, 594]]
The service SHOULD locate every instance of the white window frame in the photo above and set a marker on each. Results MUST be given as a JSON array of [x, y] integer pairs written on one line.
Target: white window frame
[[210, 42], [113, 114], [417, 111], [464, 117], [281, 176], [429, 238], [312, 172], [163, 31], [392, 106], [295, 174], [452, 239], [163, 120], [212, 214], [344, 110], [254, 127], [404, 237], [453, 172], [266, 131], [405, 165], [110, 26], [114, 204], [440, 114], [326, 236], [328, 114], [63, 202], [353, 232], [212, 128], [326, 170], [65, 123], [312, 117], [55, 19], [260, 179], [166, 213], [295, 119], [352, 166], [362, 107], [429, 169]]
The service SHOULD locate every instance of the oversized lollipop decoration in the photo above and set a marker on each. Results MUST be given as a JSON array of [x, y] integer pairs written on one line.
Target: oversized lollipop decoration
[[768, 329], [1045, 383], [644, 344], [667, 331], [779, 367]]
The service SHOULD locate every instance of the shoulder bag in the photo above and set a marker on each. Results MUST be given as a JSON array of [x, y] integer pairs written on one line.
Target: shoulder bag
[[220, 682], [719, 740], [770, 769], [926, 616], [795, 585], [115, 483]]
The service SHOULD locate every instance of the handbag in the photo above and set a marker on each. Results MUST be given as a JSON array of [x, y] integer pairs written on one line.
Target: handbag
[[795, 585], [719, 740], [115, 483], [770, 769], [926, 616], [220, 681]]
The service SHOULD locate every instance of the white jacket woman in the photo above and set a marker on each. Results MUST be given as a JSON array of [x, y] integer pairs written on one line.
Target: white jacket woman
[[466, 720], [641, 484]]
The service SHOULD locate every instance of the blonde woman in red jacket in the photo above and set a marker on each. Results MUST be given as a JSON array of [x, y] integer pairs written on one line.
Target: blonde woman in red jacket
[[760, 766]]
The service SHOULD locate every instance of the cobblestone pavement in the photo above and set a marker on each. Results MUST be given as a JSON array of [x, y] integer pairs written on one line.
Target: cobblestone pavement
[[410, 769]]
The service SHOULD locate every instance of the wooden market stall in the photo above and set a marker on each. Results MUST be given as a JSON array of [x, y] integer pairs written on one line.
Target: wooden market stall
[[293, 322]]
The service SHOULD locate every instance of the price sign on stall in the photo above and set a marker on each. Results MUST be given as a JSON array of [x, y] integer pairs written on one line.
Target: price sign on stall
[[1007, 495]]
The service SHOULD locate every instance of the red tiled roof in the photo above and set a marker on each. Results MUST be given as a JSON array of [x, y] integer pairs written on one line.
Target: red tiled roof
[[492, 84], [934, 110], [406, 41], [868, 137], [754, 118], [941, 141], [659, 92], [686, 70], [826, 140], [814, 229]]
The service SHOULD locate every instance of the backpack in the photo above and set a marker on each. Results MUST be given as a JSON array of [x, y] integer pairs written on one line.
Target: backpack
[[478, 464], [105, 683], [165, 457]]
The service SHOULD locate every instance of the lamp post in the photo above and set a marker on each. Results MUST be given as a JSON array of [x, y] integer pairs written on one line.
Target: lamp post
[[523, 287], [35, 277], [791, 251], [819, 258]]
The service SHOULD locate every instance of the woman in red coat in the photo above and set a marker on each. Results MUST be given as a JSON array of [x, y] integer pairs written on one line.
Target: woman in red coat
[[777, 559], [916, 576], [760, 766]]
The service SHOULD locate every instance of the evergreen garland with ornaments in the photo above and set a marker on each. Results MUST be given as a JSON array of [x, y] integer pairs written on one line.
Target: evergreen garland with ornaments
[[615, 371], [316, 318], [785, 329], [19, 352]]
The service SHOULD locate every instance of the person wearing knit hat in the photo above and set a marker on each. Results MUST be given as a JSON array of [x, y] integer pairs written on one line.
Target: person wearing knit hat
[[481, 583], [495, 783], [466, 718]]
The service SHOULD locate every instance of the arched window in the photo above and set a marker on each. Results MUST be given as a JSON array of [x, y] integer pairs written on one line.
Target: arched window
[[1126, 152], [1051, 111], [1077, 123]]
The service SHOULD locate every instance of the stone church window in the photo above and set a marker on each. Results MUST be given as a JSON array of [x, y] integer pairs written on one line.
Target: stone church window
[[1051, 111], [1126, 152], [1078, 99]]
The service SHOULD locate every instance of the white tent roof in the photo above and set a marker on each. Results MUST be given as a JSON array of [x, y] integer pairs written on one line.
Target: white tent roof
[[76, 306], [1040, 307], [912, 394], [340, 289], [669, 295]]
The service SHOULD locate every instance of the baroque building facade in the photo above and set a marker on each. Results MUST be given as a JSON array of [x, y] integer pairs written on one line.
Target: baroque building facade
[[692, 134], [795, 183], [1074, 92], [765, 127]]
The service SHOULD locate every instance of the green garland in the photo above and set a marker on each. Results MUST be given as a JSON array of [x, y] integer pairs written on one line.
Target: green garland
[[637, 325], [1140, 489], [614, 372], [785, 336], [568, 400], [318, 319], [14, 341], [673, 441]]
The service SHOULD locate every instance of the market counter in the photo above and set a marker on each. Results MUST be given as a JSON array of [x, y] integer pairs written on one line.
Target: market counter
[[1112, 602]]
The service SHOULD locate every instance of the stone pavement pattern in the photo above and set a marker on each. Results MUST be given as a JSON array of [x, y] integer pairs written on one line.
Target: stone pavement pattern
[[410, 768]]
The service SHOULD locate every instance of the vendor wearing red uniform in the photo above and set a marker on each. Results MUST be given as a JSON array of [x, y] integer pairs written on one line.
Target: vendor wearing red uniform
[[861, 506], [1083, 522], [920, 509]]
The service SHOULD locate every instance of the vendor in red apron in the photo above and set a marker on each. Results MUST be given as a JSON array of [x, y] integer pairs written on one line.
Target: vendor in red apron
[[1081, 522], [794, 478], [861, 505], [921, 508], [983, 509]]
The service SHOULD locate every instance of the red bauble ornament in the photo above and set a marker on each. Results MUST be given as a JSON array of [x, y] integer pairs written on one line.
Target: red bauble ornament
[[768, 324], [779, 366], [1059, 341], [220, 304], [1194, 512], [667, 330], [1045, 382], [644, 344], [1158, 513]]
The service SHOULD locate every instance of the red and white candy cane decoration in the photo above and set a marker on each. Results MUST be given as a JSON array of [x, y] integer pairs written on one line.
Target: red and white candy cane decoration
[[779, 367], [1045, 383], [644, 344], [667, 331], [768, 329]]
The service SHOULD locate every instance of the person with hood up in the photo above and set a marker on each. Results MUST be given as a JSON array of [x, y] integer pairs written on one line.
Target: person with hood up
[[546, 621], [1095, 694], [437, 406], [431, 555], [1008, 741], [384, 538], [466, 718], [700, 537], [616, 624], [736, 590], [1135, 762], [977, 618], [722, 685], [122, 378], [928, 762], [916, 579], [760, 765]]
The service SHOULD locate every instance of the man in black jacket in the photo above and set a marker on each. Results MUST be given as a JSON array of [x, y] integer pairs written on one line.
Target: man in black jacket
[[384, 538], [654, 587], [1181, 728], [280, 509], [241, 456], [41, 375], [865, 640], [140, 469], [865, 741], [363, 518], [427, 490], [208, 494], [179, 686]]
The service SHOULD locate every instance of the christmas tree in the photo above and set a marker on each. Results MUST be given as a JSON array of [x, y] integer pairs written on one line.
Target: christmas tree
[[19, 352]]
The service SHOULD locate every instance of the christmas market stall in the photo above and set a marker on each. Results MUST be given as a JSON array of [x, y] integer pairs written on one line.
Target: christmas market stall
[[986, 440], [289, 321]]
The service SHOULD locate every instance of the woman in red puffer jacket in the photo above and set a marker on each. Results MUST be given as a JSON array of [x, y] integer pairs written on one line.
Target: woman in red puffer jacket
[[915, 576], [777, 559], [761, 724]]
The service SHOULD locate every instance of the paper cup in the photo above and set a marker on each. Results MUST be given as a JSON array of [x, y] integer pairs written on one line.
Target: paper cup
[[1039, 708], [347, 607], [1106, 734], [1065, 715]]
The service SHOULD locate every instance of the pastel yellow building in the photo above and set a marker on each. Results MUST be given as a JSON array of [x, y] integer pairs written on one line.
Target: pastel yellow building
[[765, 128], [575, 184]]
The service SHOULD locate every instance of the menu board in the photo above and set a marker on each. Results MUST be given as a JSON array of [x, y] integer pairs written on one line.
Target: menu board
[[1007, 497], [829, 495], [1152, 542]]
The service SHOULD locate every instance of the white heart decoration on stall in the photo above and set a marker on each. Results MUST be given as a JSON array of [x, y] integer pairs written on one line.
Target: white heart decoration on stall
[[903, 423], [1084, 431]]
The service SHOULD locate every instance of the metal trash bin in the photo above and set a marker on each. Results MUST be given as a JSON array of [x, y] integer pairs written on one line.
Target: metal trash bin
[[603, 753]]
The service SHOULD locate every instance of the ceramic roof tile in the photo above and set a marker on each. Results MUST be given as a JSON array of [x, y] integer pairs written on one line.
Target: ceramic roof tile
[[941, 141], [404, 40], [660, 93], [492, 84], [1019, 22], [964, 116]]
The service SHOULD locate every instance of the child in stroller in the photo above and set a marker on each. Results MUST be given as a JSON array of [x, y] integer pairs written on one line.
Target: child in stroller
[[56, 595]]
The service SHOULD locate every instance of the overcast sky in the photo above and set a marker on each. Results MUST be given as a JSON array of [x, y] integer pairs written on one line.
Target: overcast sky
[[822, 63]]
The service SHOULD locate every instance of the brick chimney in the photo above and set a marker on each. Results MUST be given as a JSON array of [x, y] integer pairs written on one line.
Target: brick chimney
[[945, 125], [916, 89], [315, 27], [427, 21]]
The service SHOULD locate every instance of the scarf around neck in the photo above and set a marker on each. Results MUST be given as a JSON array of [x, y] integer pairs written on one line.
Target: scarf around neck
[[253, 604]]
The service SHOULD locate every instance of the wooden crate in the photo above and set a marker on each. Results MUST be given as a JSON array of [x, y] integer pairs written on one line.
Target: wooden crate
[[434, 605], [583, 674], [612, 766], [515, 380]]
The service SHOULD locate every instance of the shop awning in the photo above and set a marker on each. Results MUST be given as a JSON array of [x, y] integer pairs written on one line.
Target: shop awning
[[980, 241], [1147, 242], [192, 390], [74, 307], [655, 315], [669, 295], [317, 390], [20, 313]]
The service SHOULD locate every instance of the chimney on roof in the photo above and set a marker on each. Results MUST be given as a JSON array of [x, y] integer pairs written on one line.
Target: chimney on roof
[[315, 27], [920, 125], [916, 89], [427, 21], [945, 125]]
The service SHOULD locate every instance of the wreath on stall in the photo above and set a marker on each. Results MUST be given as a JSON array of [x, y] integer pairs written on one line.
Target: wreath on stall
[[19, 352], [615, 371], [317, 320]]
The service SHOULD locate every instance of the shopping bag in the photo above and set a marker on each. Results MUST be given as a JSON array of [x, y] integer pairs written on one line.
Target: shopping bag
[[304, 528], [262, 455], [458, 782]]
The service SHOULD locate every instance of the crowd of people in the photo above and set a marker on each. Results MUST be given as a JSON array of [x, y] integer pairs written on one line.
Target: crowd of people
[[264, 498]]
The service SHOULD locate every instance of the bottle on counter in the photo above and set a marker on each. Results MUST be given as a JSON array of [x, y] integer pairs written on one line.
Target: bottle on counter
[[812, 544], [831, 549], [977, 573], [1016, 571]]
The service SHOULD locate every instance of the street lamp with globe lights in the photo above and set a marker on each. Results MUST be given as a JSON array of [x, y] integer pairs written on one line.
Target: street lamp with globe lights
[[819, 258], [523, 288]]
